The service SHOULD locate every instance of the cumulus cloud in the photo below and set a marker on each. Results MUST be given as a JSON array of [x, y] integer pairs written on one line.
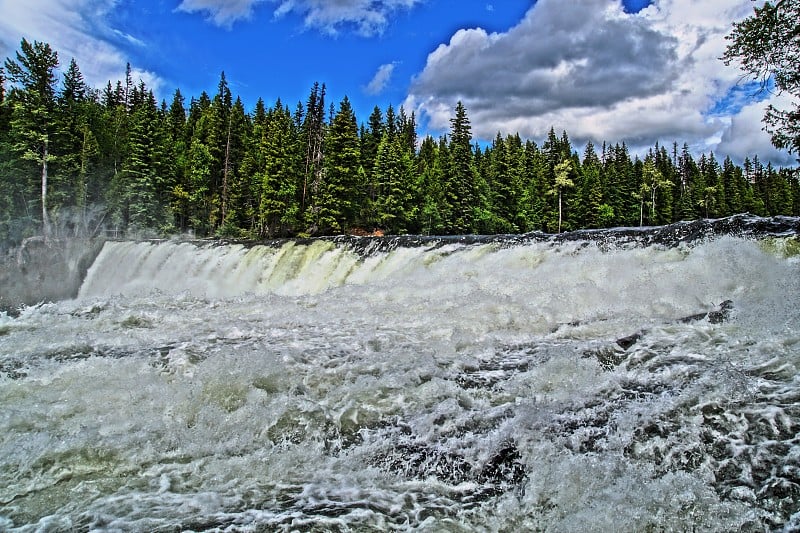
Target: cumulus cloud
[[74, 29], [743, 135], [592, 69], [380, 80], [368, 17]]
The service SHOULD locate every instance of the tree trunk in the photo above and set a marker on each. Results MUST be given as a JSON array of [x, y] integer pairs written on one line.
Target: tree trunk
[[641, 212], [559, 210], [653, 207], [225, 173], [45, 218]]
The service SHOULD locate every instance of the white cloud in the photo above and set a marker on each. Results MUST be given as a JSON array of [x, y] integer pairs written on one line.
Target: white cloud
[[597, 72], [744, 137], [221, 12], [74, 29], [369, 17], [380, 80]]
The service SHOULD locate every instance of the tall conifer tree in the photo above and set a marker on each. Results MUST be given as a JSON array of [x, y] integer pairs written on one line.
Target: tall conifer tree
[[33, 100], [461, 175]]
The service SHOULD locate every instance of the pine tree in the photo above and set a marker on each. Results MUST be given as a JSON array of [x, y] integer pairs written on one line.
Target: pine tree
[[33, 104], [234, 186], [177, 150], [597, 212], [394, 177], [342, 188], [313, 136], [219, 145], [431, 206], [461, 173], [77, 146], [138, 175], [278, 209]]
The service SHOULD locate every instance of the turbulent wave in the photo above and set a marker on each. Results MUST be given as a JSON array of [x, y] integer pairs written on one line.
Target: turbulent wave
[[587, 381]]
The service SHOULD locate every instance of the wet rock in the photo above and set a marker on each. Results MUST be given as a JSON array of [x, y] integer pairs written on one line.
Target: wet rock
[[672, 235], [716, 316], [40, 270], [502, 472], [629, 340]]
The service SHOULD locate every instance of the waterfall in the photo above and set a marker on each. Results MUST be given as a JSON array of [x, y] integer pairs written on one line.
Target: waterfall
[[587, 381]]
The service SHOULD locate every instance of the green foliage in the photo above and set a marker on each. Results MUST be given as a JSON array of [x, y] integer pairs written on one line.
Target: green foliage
[[115, 160], [341, 189], [766, 46], [562, 181], [33, 106], [393, 175], [461, 175], [278, 209]]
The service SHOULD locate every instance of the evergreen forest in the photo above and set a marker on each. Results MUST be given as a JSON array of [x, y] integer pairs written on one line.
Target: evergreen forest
[[76, 161]]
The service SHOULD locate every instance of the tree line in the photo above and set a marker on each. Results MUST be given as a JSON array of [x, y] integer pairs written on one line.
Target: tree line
[[80, 161]]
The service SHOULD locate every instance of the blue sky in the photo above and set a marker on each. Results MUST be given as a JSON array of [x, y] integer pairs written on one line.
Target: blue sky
[[638, 71], [269, 56]]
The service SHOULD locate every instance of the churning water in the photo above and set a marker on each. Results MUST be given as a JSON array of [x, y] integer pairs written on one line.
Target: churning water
[[508, 384]]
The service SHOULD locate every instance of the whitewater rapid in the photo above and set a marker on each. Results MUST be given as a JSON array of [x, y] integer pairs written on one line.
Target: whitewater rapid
[[441, 386]]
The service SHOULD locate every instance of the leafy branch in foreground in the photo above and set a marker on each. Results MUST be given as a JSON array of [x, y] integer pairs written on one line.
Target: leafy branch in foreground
[[766, 46]]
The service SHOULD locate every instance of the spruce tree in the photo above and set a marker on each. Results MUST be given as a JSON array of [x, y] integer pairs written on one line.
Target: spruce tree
[[343, 186], [140, 209], [371, 139], [461, 173], [77, 147], [431, 206], [278, 207], [235, 188], [313, 136], [33, 102], [394, 177], [407, 131], [532, 204], [597, 213], [219, 144], [177, 153], [7, 185]]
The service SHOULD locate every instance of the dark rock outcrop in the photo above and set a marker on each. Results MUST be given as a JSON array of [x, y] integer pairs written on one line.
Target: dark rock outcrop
[[39, 270]]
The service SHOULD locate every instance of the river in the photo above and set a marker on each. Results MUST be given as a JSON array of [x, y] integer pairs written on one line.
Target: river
[[518, 383]]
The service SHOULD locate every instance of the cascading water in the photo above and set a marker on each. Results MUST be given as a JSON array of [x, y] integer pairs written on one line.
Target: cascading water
[[426, 385]]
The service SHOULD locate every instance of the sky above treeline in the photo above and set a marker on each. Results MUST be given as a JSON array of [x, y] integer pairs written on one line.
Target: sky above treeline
[[638, 71]]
